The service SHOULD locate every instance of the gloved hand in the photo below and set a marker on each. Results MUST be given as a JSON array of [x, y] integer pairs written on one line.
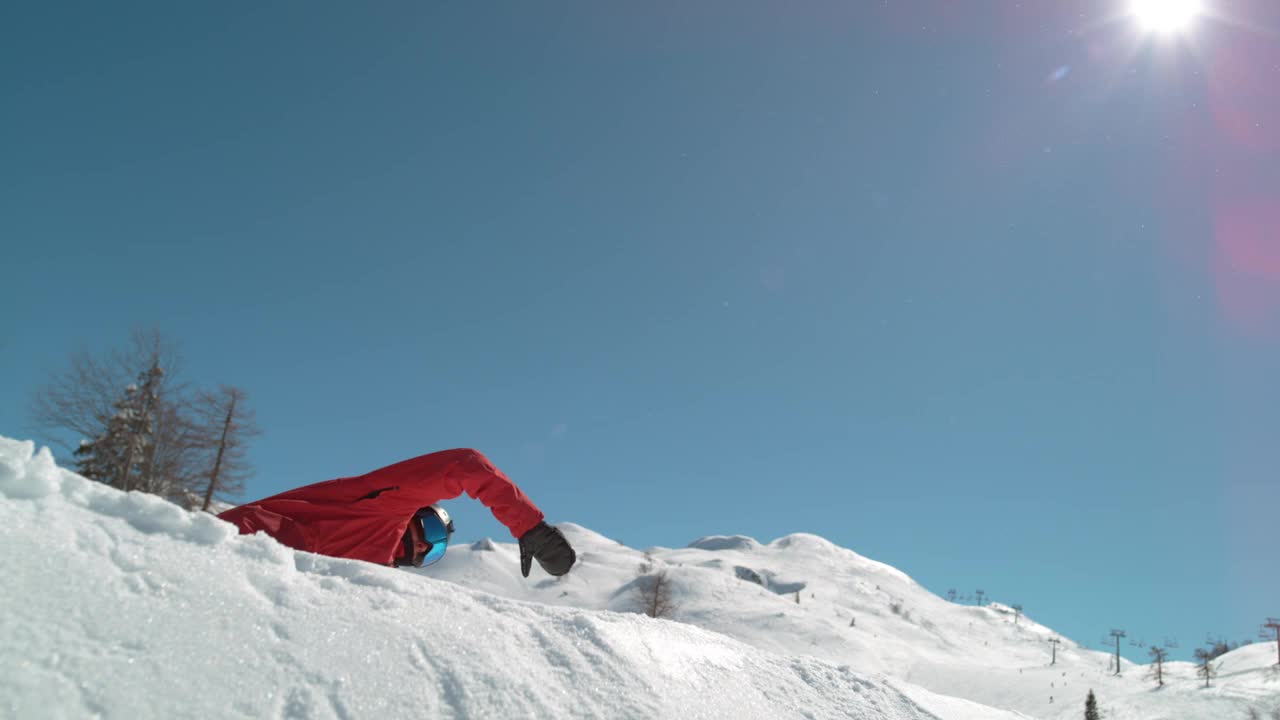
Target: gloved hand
[[549, 546]]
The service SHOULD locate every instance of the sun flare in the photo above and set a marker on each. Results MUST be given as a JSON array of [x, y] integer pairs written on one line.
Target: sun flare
[[1166, 17]]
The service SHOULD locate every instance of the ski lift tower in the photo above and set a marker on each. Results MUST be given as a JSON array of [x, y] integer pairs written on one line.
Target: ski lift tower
[[1117, 634]]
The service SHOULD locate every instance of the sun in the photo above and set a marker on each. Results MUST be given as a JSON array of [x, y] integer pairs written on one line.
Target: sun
[[1166, 17]]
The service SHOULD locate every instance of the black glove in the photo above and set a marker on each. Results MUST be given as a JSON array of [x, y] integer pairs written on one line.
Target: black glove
[[549, 546]]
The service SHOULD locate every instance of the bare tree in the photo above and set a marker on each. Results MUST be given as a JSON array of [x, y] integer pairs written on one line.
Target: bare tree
[[223, 425], [1159, 656], [79, 404], [79, 401], [656, 599], [134, 393], [1207, 669], [176, 460]]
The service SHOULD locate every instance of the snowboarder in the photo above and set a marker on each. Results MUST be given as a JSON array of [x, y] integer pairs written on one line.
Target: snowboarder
[[389, 516]]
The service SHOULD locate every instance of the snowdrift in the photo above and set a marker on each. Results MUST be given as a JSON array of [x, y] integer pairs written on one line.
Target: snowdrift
[[123, 605]]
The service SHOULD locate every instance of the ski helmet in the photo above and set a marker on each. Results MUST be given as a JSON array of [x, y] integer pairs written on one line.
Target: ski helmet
[[431, 526]]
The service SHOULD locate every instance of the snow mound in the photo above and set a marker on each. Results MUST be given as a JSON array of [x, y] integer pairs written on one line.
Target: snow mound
[[24, 473], [806, 542], [724, 542], [271, 632], [578, 535]]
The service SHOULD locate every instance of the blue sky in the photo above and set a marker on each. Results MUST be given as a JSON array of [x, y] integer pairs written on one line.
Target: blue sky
[[991, 294]]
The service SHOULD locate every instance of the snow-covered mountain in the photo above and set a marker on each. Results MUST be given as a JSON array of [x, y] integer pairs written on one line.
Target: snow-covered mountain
[[802, 595], [123, 605]]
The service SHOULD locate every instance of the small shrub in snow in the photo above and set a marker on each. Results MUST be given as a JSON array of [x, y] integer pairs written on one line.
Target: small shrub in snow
[[899, 610], [656, 600]]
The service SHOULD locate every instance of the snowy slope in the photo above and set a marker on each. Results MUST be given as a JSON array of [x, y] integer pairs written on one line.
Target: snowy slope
[[123, 605], [120, 605], [747, 590]]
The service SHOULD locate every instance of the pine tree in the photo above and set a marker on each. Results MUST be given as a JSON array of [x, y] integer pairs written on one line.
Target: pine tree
[[123, 454], [1091, 708], [102, 457], [139, 420]]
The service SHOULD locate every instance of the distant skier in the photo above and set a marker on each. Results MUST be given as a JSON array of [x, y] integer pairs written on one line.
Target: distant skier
[[390, 517]]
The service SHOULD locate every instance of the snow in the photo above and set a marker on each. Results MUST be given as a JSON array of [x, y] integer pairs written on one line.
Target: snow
[[723, 542], [123, 605], [954, 660]]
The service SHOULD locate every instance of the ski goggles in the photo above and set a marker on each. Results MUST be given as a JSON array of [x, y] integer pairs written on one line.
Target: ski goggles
[[436, 528]]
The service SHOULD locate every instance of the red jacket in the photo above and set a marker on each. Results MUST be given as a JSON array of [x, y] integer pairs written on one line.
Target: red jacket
[[364, 517]]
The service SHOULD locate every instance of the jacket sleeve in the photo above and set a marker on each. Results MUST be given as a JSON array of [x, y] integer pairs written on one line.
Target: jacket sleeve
[[427, 479]]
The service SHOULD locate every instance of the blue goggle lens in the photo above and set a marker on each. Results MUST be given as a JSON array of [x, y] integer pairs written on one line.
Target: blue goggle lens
[[436, 533]]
